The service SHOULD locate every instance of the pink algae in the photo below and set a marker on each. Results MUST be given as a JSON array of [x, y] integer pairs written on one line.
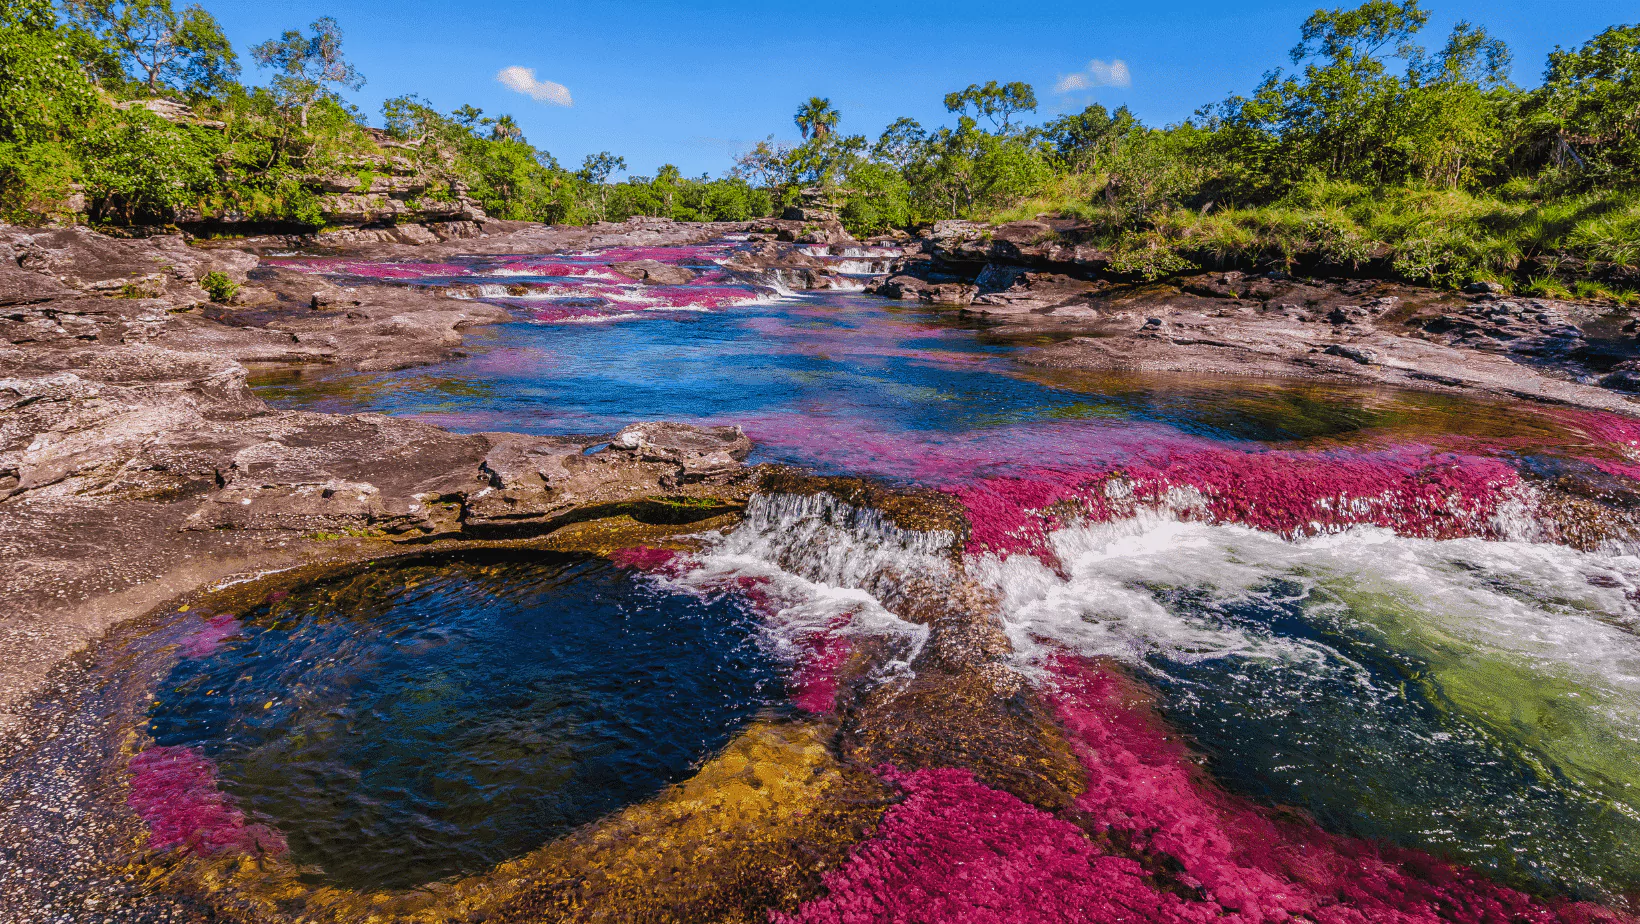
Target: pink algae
[[815, 682], [647, 559], [957, 851], [174, 790], [1613, 435], [208, 638], [1439, 496], [1144, 785]]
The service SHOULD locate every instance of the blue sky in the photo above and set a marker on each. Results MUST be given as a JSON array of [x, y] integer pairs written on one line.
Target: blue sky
[[695, 83]]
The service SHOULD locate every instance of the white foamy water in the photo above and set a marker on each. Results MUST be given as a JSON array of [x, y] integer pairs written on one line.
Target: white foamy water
[[829, 566], [1547, 609]]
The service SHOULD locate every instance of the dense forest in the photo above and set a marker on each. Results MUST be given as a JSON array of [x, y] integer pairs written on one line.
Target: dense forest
[[1371, 147]]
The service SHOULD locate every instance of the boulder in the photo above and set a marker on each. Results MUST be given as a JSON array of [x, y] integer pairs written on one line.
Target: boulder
[[1020, 290], [1625, 376], [654, 272], [1362, 355], [537, 481]]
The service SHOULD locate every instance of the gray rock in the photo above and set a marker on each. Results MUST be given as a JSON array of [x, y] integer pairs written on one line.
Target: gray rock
[[1362, 355], [654, 272]]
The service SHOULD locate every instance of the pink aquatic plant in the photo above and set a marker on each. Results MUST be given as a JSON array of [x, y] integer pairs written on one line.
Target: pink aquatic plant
[[1438, 496], [174, 790], [554, 267], [647, 559], [1145, 785], [1616, 440], [814, 683], [208, 638], [955, 850]]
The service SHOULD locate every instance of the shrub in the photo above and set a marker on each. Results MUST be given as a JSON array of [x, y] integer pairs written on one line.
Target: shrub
[[219, 287], [37, 182]]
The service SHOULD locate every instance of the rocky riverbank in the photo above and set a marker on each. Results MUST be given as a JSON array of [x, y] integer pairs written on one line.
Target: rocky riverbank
[[1030, 278], [136, 465], [140, 474]]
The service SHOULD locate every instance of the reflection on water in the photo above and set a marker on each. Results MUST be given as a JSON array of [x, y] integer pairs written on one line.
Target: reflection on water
[[799, 372], [412, 723]]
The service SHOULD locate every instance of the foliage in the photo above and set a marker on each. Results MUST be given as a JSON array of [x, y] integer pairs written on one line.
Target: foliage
[[179, 51], [1591, 99], [36, 181], [816, 118], [44, 94], [219, 287], [1370, 152], [140, 168], [878, 198], [997, 102], [308, 65]]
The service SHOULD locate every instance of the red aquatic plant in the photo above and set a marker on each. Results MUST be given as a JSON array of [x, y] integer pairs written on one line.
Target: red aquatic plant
[[1145, 785], [958, 851], [647, 559], [209, 637], [174, 790], [955, 850], [1439, 496], [1615, 439], [814, 683]]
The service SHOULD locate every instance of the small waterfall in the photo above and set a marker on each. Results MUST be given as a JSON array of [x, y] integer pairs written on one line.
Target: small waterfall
[[828, 565]]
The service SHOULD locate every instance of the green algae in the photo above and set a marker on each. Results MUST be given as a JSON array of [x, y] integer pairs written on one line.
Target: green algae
[[1572, 728]]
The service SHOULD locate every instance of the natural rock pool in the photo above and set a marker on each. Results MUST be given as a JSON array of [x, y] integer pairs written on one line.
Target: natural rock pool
[[403, 725], [1077, 647]]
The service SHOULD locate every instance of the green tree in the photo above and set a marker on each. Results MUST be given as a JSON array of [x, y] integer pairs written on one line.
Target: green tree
[[308, 65], [1591, 102], [1458, 105], [168, 50], [816, 118], [902, 143], [506, 129], [595, 171], [1078, 140], [996, 102], [768, 165], [44, 95], [139, 168], [877, 197]]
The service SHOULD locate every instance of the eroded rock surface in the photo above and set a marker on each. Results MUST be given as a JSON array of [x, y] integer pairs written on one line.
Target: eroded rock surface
[[136, 464], [1034, 278]]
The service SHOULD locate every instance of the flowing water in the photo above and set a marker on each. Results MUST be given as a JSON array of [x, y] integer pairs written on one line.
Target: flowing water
[[1341, 596]]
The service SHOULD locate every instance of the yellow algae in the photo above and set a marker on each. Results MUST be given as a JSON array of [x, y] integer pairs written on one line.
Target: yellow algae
[[753, 830]]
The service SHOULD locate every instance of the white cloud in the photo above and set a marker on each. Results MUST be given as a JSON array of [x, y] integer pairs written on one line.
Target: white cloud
[[1099, 74], [522, 80]]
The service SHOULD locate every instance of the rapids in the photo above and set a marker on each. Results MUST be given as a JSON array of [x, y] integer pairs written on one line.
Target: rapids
[[1341, 622]]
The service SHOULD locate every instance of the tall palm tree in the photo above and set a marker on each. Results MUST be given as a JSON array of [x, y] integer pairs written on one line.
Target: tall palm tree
[[506, 130], [816, 118]]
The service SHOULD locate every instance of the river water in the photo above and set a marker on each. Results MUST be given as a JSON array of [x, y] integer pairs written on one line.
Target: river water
[[1347, 600]]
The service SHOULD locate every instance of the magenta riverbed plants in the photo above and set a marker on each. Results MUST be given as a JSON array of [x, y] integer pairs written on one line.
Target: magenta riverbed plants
[[1151, 840], [174, 790]]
